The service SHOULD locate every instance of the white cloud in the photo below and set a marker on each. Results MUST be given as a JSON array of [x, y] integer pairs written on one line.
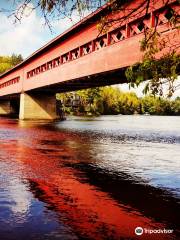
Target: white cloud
[[29, 35], [20, 38], [20, 196]]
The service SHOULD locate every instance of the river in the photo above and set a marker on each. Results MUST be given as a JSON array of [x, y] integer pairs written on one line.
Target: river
[[90, 178]]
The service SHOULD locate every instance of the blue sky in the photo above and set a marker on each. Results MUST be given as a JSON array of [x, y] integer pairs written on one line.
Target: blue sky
[[29, 35]]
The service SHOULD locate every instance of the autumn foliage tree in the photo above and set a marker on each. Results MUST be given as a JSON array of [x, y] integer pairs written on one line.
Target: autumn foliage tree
[[7, 62], [111, 100]]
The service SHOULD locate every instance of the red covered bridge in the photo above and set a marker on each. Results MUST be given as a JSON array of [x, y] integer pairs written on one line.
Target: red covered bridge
[[81, 58]]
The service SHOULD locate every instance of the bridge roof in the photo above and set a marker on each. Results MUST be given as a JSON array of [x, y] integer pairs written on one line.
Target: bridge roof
[[59, 38]]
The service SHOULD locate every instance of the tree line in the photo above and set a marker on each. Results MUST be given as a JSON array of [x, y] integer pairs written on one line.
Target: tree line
[[111, 100], [7, 62]]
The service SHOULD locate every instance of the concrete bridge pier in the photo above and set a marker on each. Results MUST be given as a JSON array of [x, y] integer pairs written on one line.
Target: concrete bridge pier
[[38, 106]]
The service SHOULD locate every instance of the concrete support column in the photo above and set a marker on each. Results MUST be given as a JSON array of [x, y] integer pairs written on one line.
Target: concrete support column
[[37, 106], [5, 107]]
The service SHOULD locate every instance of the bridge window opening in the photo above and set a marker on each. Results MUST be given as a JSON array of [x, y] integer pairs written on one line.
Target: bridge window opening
[[101, 43], [163, 16], [29, 74], [136, 28], [33, 72], [132, 32], [69, 56], [43, 68], [65, 58], [169, 14], [121, 34], [75, 54], [49, 65], [141, 26], [86, 49], [10, 82], [56, 62], [38, 70], [117, 35]]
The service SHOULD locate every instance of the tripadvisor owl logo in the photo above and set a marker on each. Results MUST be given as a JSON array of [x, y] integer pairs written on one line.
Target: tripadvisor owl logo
[[139, 231]]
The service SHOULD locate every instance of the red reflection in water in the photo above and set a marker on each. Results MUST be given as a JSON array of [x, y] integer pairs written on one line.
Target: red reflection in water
[[89, 211]]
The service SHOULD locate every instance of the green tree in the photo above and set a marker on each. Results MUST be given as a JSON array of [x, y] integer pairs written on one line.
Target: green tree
[[156, 106], [7, 62], [16, 59], [160, 72], [175, 106], [89, 99], [110, 100]]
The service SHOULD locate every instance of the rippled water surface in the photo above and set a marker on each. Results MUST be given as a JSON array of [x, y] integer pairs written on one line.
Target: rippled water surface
[[89, 178]]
